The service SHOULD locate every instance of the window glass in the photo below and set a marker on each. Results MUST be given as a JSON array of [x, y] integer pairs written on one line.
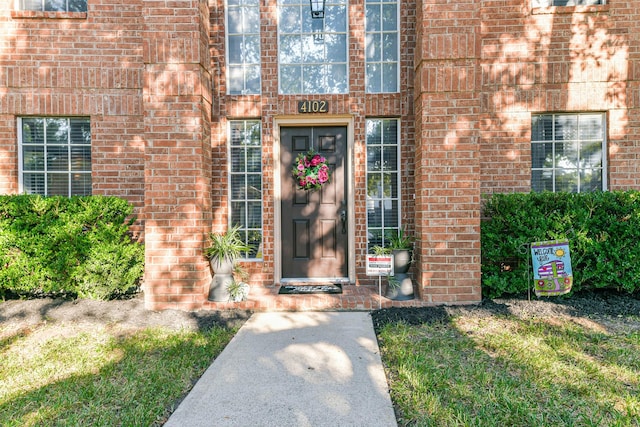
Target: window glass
[[245, 147], [55, 156], [312, 53], [383, 171], [549, 3], [382, 46], [567, 152], [53, 5], [243, 47]]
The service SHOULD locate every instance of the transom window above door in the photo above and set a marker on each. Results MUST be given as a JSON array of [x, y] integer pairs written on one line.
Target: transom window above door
[[312, 53]]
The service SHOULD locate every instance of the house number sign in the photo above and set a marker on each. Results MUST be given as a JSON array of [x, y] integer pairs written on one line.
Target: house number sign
[[313, 106]]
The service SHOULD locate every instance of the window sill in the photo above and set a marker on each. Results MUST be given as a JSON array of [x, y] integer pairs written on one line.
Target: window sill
[[563, 10], [35, 14]]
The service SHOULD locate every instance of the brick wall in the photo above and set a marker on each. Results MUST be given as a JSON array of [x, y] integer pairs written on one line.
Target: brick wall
[[447, 151], [77, 64], [472, 75], [564, 59], [270, 105], [177, 119]]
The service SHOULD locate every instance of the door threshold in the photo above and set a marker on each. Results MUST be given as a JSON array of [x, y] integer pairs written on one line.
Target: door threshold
[[314, 280]]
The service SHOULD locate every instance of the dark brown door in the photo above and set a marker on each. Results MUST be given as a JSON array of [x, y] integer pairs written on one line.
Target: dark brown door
[[314, 223]]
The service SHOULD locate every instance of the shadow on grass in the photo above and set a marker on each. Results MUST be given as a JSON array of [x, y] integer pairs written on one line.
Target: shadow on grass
[[503, 370], [138, 382], [129, 312]]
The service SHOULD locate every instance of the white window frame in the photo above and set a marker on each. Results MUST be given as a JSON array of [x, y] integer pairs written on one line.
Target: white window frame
[[315, 28], [555, 141], [244, 64], [567, 3], [45, 172], [244, 230], [398, 199], [379, 32], [24, 6]]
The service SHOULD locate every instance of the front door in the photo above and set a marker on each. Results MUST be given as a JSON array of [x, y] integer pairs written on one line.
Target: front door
[[314, 223]]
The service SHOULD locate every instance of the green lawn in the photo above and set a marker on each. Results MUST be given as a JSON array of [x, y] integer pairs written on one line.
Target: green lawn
[[509, 371], [57, 375], [498, 370]]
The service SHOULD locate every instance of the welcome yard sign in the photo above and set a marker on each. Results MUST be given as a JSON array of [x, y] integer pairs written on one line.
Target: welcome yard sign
[[552, 272]]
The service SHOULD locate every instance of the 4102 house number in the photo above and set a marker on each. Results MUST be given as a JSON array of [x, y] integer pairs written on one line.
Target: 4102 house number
[[313, 106]]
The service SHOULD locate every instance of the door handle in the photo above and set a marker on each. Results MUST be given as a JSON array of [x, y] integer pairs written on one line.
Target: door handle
[[343, 218]]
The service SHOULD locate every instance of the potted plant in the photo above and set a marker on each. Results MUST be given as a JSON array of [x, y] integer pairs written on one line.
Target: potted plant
[[238, 288], [225, 249], [400, 245]]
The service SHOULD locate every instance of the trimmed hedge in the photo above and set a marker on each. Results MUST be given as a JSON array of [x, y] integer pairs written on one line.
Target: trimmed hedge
[[78, 246], [603, 229]]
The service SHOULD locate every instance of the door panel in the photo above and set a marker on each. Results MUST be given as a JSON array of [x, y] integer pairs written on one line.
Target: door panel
[[314, 240]]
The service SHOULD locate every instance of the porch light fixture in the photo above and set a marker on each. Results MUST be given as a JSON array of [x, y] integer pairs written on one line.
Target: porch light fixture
[[317, 9]]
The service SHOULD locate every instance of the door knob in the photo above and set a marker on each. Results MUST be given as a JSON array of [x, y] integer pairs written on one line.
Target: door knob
[[343, 218]]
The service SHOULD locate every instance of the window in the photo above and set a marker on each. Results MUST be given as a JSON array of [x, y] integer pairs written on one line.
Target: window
[[245, 147], [312, 53], [53, 5], [55, 156], [567, 152], [382, 180], [243, 47], [382, 47], [549, 3]]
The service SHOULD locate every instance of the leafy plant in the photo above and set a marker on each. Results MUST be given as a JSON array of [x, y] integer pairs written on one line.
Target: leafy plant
[[238, 290], [78, 246], [226, 246], [380, 250], [399, 240], [240, 273], [393, 281], [603, 229]]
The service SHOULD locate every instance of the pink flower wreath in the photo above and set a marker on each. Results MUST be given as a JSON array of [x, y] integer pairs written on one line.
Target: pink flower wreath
[[310, 171]]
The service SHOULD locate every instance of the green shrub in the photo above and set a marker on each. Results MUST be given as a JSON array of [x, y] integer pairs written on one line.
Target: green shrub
[[603, 229], [78, 246]]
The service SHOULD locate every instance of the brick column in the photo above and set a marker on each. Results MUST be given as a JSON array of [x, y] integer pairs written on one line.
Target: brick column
[[447, 170], [177, 120]]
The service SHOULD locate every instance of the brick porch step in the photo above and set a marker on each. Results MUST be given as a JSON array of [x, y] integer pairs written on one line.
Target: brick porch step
[[358, 298]]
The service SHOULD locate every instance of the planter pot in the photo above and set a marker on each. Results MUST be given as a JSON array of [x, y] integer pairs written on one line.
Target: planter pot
[[401, 260], [223, 266], [403, 290], [222, 277]]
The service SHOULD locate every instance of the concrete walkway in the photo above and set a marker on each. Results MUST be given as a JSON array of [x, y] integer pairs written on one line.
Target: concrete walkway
[[293, 369]]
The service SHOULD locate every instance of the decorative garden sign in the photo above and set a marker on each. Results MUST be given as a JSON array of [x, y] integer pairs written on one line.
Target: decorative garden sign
[[552, 272]]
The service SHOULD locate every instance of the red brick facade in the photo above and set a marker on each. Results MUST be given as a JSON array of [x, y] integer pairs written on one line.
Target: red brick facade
[[150, 75]]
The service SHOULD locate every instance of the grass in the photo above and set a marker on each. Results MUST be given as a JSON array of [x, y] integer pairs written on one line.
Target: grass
[[510, 371], [500, 370], [102, 375]]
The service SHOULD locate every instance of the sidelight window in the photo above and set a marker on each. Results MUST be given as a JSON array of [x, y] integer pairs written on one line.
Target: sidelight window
[[245, 147], [383, 173]]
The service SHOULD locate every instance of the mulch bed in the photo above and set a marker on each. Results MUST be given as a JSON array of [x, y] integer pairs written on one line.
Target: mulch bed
[[601, 305]]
